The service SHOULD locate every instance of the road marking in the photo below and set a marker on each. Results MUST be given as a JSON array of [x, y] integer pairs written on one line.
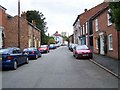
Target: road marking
[[105, 68]]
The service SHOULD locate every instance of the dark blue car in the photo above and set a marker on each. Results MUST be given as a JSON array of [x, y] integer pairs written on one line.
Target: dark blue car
[[32, 53], [52, 46], [12, 57]]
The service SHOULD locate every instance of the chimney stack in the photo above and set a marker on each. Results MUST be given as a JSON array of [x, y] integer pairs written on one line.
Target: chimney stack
[[23, 15]]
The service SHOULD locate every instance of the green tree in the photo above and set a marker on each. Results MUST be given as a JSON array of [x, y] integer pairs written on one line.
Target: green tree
[[38, 19], [115, 18], [51, 40], [115, 14]]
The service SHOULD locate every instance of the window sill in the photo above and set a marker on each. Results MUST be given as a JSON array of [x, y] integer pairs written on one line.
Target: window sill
[[109, 25], [111, 50]]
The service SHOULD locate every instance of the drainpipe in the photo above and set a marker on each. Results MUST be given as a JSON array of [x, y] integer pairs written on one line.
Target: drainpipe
[[18, 23], [88, 32], [118, 32]]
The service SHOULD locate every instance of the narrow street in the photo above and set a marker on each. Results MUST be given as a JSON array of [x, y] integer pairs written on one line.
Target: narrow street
[[58, 69]]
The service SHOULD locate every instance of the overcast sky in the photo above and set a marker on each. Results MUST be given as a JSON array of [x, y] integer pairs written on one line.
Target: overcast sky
[[60, 14]]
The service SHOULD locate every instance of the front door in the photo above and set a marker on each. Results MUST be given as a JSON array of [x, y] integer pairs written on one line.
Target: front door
[[101, 44]]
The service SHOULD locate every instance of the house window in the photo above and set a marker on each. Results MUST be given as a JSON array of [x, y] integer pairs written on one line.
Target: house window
[[110, 42], [83, 30], [96, 24], [96, 43], [86, 39], [108, 18], [86, 27], [109, 22]]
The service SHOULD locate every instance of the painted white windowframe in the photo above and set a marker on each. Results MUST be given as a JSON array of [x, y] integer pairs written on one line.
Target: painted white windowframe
[[109, 22], [96, 24], [96, 43], [108, 18], [81, 31], [86, 28], [87, 40], [1, 42], [110, 41]]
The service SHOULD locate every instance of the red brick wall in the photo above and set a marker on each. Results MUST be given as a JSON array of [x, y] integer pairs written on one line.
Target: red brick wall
[[3, 18], [1, 11], [12, 33], [86, 15], [23, 33], [103, 27]]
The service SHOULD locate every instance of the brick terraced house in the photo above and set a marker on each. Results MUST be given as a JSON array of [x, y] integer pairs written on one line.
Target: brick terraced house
[[105, 36], [94, 29], [82, 27], [30, 35]]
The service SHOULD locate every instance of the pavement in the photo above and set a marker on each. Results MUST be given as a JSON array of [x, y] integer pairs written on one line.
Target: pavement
[[109, 64]]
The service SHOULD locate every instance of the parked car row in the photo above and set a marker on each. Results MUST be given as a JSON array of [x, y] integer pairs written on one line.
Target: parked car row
[[81, 51], [46, 48], [12, 57]]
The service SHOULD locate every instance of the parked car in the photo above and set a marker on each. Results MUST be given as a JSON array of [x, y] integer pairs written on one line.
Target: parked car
[[32, 53], [12, 57], [57, 45], [82, 51], [52, 46], [44, 49], [71, 47]]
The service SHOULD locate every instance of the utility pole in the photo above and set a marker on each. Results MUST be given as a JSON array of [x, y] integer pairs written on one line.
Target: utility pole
[[18, 23]]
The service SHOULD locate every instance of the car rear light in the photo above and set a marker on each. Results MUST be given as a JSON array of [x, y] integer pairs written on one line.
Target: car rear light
[[26, 53], [83, 53], [33, 52], [9, 58]]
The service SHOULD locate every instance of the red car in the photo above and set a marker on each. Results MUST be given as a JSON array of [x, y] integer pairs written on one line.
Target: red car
[[82, 51], [44, 49]]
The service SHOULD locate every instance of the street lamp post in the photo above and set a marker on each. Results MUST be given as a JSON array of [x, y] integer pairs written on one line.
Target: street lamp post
[[18, 23]]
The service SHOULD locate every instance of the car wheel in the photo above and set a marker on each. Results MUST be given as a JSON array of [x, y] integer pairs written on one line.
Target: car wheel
[[15, 65], [73, 55], [36, 56], [27, 61], [76, 56], [91, 57]]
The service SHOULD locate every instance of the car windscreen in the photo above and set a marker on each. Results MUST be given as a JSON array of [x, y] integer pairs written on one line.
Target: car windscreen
[[4, 51], [43, 46], [29, 49], [73, 45], [84, 47], [51, 44]]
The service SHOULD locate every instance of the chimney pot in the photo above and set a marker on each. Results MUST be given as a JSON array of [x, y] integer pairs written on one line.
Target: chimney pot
[[85, 10]]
